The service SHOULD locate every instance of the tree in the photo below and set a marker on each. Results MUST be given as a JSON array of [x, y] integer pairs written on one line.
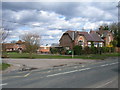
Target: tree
[[32, 42], [3, 35], [115, 29], [104, 26]]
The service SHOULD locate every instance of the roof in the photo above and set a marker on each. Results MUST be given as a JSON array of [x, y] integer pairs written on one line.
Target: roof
[[9, 45], [103, 32], [19, 42], [89, 37], [96, 37]]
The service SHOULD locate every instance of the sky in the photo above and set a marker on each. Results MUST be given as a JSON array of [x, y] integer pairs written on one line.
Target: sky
[[51, 19]]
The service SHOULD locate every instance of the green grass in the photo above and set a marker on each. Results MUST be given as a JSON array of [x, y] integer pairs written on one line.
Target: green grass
[[92, 56], [4, 66]]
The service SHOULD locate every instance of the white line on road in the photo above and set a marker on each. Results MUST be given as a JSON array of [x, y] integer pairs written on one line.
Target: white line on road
[[84, 69], [49, 71], [3, 84], [104, 65], [105, 84], [113, 63], [75, 67], [27, 75], [82, 66], [78, 70], [68, 72], [108, 64]]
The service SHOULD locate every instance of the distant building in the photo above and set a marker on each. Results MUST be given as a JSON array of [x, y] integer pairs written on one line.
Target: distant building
[[18, 46], [44, 49]]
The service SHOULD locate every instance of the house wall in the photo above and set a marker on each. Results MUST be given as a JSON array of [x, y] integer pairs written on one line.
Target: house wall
[[108, 39], [66, 41], [82, 38], [44, 49]]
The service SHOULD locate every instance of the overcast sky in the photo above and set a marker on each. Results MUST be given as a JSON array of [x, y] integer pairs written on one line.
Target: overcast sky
[[52, 19]]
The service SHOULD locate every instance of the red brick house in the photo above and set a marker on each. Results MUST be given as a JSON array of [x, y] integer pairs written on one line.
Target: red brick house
[[106, 36], [98, 38]]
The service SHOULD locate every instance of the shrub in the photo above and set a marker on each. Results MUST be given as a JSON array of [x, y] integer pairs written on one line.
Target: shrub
[[86, 50], [94, 50], [53, 50], [77, 50]]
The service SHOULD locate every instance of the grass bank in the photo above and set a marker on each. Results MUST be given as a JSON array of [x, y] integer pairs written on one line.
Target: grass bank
[[4, 66], [91, 56]]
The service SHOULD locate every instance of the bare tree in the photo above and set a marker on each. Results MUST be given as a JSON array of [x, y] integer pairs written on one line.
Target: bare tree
[[32, 42], [3, 35]]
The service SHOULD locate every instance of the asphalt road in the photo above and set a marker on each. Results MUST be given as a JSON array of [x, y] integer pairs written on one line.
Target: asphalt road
[[97, 75]]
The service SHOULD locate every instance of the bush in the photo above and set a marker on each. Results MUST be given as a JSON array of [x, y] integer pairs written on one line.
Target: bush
[[77, 50], [53, 50], [86, 50], [94, 50]]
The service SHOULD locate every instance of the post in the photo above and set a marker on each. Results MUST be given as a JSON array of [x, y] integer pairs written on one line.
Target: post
[[72, 53], [73, 37]]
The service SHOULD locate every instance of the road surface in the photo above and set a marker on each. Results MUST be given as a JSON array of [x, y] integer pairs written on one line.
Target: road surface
[[97, 75]]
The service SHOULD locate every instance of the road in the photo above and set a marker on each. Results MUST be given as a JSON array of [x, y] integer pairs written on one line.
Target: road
[[97, 75]]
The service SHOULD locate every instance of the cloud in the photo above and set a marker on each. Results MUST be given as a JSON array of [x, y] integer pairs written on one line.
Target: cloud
[[52, 19]]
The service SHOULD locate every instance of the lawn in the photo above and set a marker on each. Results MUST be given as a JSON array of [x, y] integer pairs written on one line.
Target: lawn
[[4, 66], [92, 56]]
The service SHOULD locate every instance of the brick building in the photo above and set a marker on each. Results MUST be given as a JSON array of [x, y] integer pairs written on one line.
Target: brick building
[[18, 46], [98, 38]]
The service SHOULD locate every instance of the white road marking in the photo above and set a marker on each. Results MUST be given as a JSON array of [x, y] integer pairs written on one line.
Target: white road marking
[[104, 65], [27, 75], [113, 63], [75, 67], [49, 71], [78, 70], [84, 69], [83, 66], [105, 84], [3, 84], [108, 64], [68, 72]]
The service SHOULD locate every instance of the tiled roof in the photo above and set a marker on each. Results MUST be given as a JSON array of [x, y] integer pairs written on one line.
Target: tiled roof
[[95, 37], [103, 32], [20, 42], [9, 45], [89, 37]]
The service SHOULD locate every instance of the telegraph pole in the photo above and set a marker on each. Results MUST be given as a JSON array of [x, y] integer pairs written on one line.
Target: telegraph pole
[[118, 23], [73, 38]]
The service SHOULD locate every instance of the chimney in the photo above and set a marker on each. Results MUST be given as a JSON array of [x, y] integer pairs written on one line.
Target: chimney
[[73, 35]]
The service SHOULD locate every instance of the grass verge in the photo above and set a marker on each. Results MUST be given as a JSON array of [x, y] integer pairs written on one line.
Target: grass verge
[[90, 56], [4, 66]]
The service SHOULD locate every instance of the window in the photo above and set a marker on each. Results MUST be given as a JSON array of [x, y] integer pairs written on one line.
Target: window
[[67, 48], [95, 44], [89, 44], [100, 44], [80, 43]]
